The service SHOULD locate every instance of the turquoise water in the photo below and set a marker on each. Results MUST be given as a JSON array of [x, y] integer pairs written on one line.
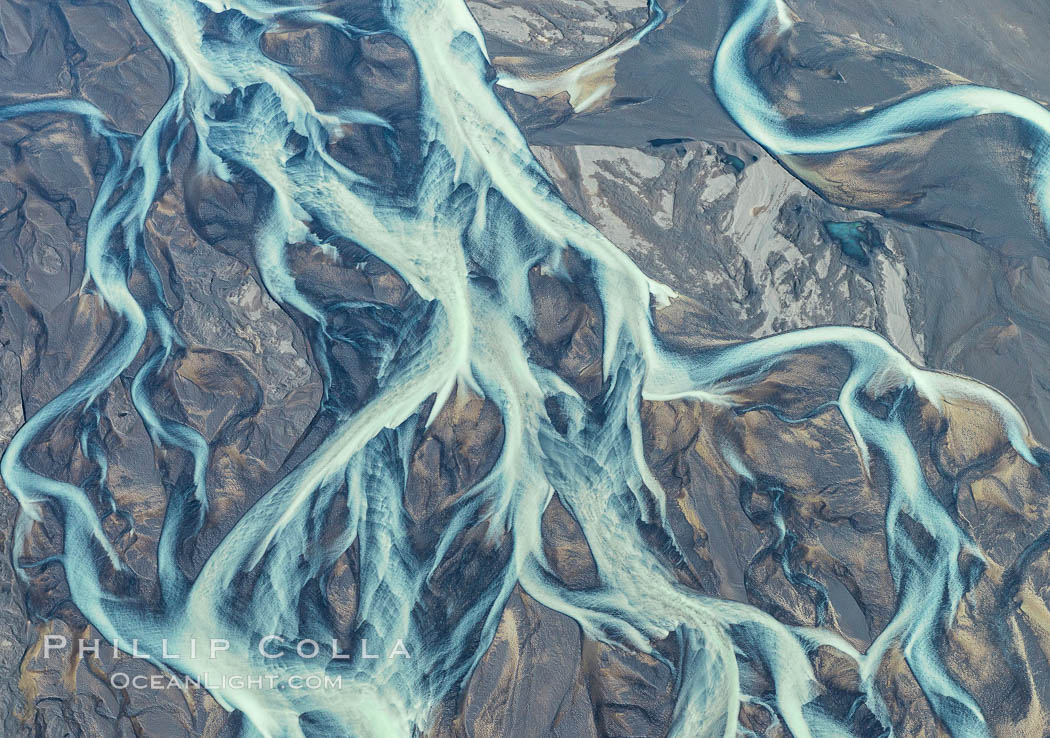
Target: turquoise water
[[856, 239], [481, 205]]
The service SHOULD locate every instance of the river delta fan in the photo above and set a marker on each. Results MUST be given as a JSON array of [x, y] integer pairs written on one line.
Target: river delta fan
[[506, 417]]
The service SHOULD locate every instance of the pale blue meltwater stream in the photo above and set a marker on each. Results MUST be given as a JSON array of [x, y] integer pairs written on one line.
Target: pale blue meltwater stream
[[481, 200]]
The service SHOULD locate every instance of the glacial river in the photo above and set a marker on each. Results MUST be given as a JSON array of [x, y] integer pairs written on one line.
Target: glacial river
[[481, 214]]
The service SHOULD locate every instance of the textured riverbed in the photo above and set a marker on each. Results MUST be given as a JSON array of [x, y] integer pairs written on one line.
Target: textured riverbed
[[560, 369]]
